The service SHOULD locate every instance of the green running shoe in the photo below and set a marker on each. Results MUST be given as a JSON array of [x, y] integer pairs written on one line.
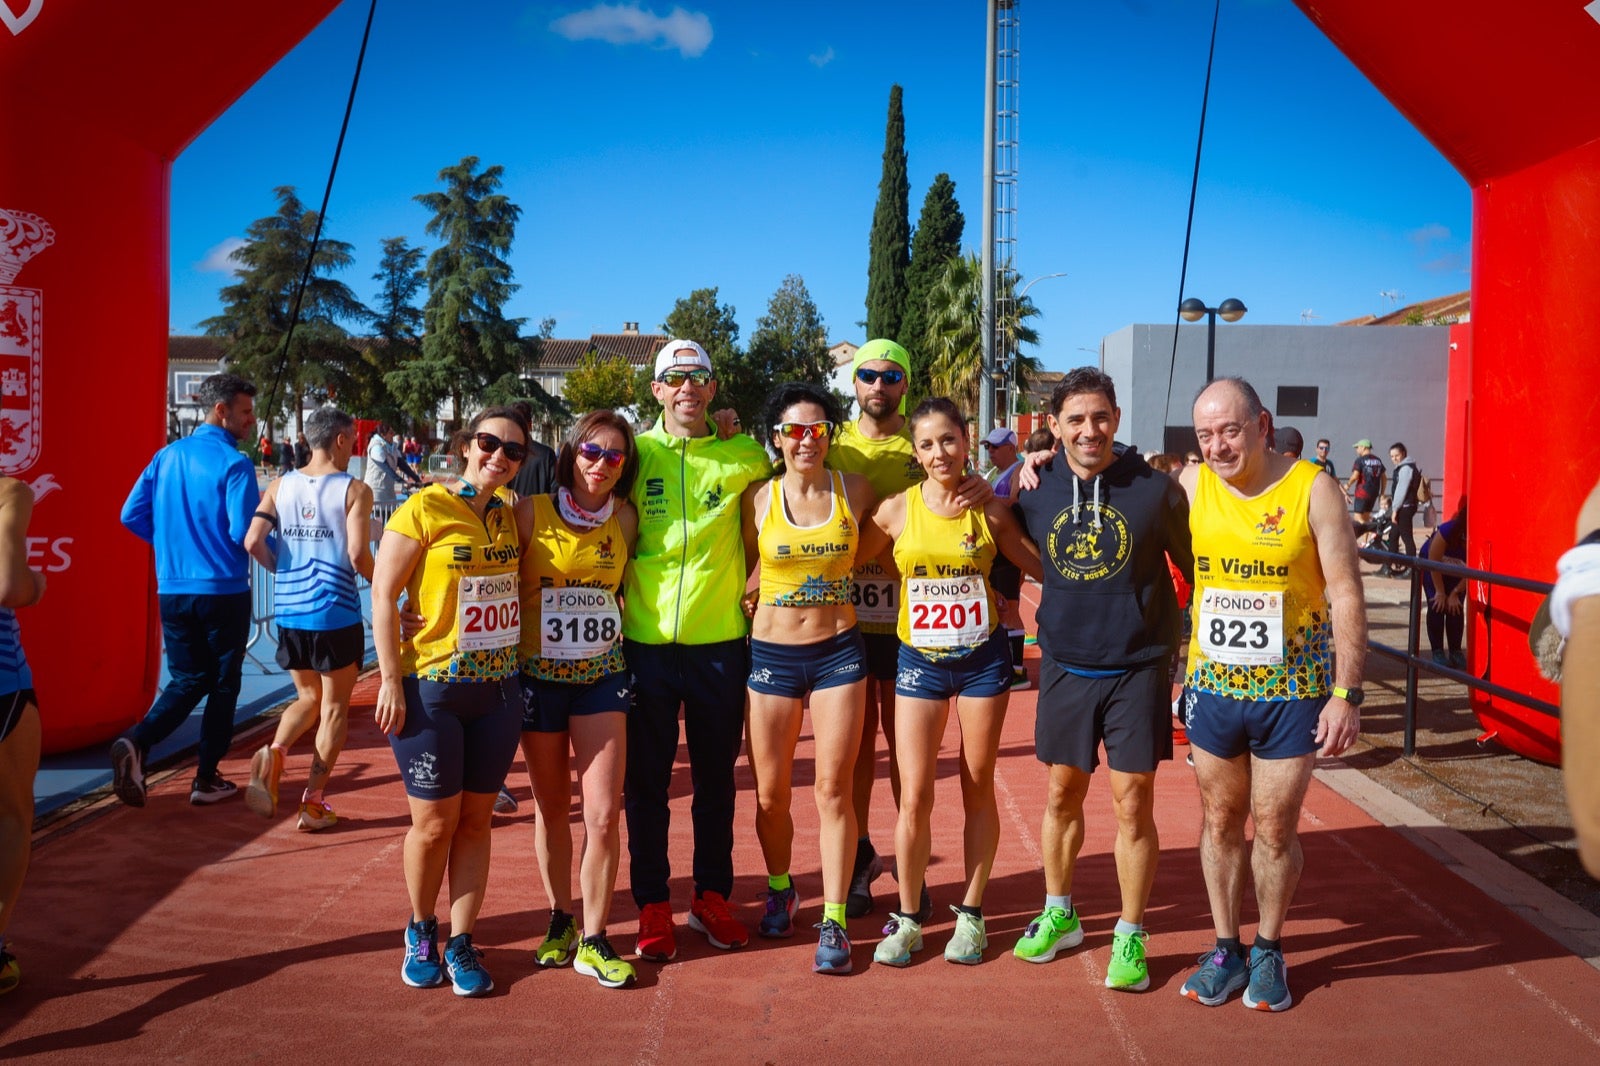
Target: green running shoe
[[1049, 933], [559, 941], [597, 959], [1127, 971]]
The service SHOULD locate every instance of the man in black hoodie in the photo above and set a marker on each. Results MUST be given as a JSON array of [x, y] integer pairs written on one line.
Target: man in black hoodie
[[1106, 524]]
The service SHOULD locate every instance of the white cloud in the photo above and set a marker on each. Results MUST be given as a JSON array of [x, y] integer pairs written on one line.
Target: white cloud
[[822, 59], [216, 260], [1429, 234], [687, 31]]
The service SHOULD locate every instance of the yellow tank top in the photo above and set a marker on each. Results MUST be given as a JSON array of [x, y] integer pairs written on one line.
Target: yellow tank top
[[465, 585], [571, 626], [1263, 629], [890, 466], [807, 566], [946, 605]]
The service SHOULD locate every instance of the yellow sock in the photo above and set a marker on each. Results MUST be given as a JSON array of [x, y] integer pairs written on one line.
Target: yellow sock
[[779, 882], [834, 911]]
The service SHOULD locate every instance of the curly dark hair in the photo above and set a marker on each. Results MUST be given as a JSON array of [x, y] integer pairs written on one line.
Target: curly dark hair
[[790, 393]]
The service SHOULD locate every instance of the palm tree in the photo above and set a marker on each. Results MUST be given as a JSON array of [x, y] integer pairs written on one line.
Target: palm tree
[[954, 339]]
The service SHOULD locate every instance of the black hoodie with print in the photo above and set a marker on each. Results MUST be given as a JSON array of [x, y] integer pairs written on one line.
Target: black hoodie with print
[[1108, 600]]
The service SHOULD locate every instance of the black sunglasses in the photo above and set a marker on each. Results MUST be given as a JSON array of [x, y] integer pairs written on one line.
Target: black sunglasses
[[672, 379], [870, 376], [592, 452], [488, 443]]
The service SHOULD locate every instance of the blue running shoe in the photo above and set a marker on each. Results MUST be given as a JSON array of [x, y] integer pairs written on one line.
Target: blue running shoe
[[1221, 974], [1269, 981], [833, 949], [422, 968], [463, 960], [779, 919]]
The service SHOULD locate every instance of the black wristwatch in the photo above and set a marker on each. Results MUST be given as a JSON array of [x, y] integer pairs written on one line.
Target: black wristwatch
[[1352, 696]]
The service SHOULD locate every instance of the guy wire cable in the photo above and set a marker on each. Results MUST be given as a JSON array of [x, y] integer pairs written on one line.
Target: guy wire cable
[[1188, 230], [327, 193]]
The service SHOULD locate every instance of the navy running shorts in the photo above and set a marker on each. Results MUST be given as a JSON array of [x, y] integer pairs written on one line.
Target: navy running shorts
[[1130, 712], [1267, 729], [793, 670], [984, 671], [458, 737], [548, 706], [322, 650], [12, 704]]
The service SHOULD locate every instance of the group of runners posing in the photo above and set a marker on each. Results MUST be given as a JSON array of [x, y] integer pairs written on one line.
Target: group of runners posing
[[581, 622]]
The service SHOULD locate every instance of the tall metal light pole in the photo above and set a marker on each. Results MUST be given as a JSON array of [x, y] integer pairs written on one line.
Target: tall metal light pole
[[1230, 309]]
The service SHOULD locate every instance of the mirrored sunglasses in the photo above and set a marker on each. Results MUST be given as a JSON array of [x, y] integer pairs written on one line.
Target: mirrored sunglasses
[[592, 452], [672, 379], [870, 376], [804, 430]]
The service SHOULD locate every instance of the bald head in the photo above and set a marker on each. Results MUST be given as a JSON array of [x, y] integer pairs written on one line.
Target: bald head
[[1232, 427]]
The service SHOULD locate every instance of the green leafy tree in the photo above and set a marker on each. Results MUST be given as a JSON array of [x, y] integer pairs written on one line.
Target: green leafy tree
[[471, 351], [258, 305], [600, 381], [790, 342], [890, 242], [937, 241], [955, 332], [395, 322]]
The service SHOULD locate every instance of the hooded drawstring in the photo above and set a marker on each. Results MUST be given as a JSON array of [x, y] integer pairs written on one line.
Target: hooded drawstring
[[1077, 515]]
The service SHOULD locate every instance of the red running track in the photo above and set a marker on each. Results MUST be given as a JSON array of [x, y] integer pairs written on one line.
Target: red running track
[[210, 935]]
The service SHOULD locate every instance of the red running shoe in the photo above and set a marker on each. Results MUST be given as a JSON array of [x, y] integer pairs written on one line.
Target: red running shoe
[[710, 915], [656, 940]]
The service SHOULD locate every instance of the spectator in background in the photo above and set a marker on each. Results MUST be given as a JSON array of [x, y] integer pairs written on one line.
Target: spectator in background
[[1443, 595], [1290, 442], [193, 503], [1365, 484], [1040, 440], [538, 474], [302, 451], [1403, 506], [381, 471], [1322, 459], [286, 455], [19, 711]]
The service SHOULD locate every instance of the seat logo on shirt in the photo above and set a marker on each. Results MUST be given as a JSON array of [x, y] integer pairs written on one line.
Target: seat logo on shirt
[[655, 486]]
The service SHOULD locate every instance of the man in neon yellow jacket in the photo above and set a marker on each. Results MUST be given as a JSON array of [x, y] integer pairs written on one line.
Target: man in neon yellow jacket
[[684, 637]]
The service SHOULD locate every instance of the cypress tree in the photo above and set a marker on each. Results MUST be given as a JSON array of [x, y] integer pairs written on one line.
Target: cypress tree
[[936, 242], [889, 248]]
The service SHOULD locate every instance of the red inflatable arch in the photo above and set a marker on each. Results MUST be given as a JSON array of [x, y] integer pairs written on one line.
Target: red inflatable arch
[[1509, 95], [100, 97]]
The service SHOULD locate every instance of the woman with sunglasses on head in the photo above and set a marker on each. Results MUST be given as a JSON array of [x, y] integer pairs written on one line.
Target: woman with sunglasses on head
[[950, 649], [803, 526], [449, 698], [575, 685]]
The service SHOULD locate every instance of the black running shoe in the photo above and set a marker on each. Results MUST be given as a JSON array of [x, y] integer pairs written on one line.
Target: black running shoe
[[869, 867], [213, 788], [127, 772]]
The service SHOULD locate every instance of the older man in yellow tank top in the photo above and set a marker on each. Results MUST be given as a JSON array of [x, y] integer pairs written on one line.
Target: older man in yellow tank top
[[1277, 594]]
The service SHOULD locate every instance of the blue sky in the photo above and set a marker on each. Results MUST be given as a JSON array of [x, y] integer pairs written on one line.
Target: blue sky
[[655, 149]]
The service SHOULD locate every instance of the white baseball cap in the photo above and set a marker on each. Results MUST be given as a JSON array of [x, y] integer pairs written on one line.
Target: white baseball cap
[[681, 355]]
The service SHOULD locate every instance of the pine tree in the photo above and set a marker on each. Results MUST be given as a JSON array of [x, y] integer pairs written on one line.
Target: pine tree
[[790, 342], [699, 318], [258, 306], [937, 241], [890, 242], [471, 351], [396, 324]]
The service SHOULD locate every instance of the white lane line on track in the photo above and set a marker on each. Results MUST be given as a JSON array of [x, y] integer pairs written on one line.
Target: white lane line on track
[[1131, 1051], [655, 1029], [382, 858], [1460, 934]]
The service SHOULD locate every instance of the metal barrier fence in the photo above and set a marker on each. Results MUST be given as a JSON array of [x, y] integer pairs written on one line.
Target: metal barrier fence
[[1414, 662]]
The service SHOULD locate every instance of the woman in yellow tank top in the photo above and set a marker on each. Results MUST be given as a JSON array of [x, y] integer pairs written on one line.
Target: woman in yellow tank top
[[575, 685], [950, 648], [448, 697], [803, 528]]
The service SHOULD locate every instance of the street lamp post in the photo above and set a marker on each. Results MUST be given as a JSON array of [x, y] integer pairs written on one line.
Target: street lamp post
[[1002, 373], [1230, 309]]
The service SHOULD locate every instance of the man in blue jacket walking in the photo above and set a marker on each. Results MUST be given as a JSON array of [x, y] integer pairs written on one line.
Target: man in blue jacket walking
[[194, 503]]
